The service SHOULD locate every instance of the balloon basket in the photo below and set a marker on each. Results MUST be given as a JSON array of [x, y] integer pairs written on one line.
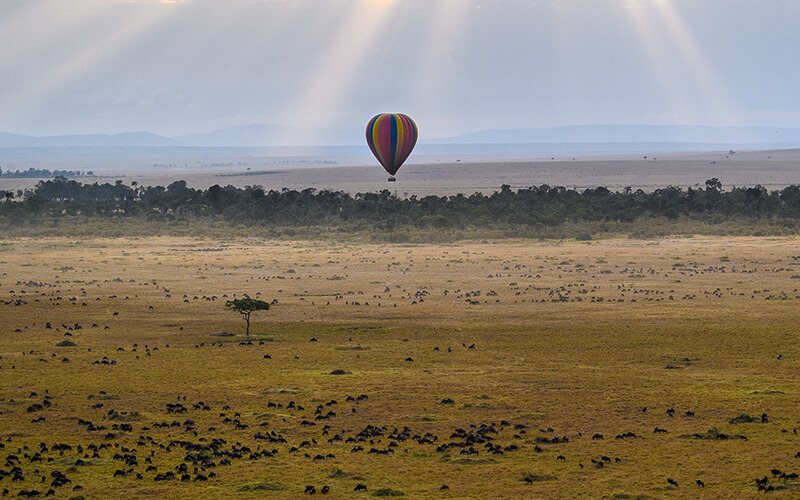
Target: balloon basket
[[392, 179]]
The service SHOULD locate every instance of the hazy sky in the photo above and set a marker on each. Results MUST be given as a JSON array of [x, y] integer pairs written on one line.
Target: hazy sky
[[456, 66]]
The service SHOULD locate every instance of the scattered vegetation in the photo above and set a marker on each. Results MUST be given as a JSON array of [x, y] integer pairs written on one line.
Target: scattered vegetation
[[713, 434], [337, 473]]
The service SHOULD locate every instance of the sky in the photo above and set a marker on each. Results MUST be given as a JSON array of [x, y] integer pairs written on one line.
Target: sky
[[175, 67]]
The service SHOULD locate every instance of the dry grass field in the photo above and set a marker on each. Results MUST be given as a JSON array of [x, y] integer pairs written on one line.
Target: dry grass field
[[534, 350]]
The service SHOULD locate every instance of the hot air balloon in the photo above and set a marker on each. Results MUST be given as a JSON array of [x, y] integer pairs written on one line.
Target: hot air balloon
[[391, 137]]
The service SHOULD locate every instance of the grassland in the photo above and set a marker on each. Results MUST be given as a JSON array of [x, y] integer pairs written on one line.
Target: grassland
[[571, 339]]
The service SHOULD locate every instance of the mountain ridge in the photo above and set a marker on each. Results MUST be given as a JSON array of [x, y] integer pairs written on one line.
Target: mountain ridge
[[125, 139], [265, 135]]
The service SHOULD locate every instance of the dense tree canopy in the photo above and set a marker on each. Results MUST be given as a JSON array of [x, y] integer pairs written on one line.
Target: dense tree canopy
[[536, 206]]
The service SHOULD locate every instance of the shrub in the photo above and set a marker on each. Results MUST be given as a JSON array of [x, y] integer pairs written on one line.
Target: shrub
[[387, 492]]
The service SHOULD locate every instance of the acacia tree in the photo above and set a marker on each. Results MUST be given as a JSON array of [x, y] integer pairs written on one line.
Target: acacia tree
[[246, 307]]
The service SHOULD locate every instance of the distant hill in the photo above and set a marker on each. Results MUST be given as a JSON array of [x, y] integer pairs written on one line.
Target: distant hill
[[572, 139], [11, 140], [274, 135], [124, 140]]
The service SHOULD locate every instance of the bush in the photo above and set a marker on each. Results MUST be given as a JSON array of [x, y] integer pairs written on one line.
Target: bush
[[744, 418], [387, 492]]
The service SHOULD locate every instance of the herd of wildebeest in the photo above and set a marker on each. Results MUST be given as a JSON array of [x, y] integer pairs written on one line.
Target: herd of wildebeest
[[52, 446]]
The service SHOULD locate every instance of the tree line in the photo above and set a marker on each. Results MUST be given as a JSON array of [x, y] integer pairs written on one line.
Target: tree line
[[535, 206], [36, 173]]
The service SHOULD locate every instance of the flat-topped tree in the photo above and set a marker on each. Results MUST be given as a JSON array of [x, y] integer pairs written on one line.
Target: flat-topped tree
[[246, 307]]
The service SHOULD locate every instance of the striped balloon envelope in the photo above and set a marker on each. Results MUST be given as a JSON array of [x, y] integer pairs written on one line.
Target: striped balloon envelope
[[391, 137]]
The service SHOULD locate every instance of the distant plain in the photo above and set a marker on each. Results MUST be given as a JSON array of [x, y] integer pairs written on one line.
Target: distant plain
[[423, 175]]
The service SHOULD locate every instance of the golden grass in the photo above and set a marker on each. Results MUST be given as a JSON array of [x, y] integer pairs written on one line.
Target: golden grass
[[542, 358]]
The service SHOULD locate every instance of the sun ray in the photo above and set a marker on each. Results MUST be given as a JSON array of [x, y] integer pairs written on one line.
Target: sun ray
[[91, 53], [275, 24], [331, 77], [446, 29], [791, 5], [721, 108], [57, 34], [656, 51]]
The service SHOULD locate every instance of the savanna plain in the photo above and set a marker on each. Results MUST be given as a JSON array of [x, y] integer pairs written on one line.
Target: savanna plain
[[617, 368]]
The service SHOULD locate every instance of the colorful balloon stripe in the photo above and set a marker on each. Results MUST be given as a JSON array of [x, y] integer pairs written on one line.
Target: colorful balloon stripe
[[391, 138]]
